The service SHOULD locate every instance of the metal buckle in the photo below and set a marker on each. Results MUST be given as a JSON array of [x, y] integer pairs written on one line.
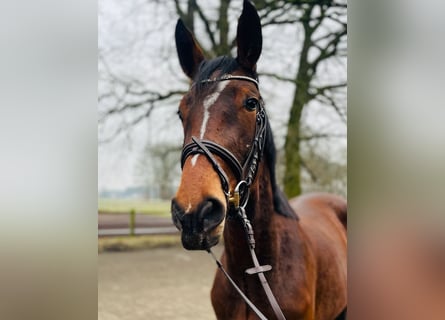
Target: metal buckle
[[236, 198]]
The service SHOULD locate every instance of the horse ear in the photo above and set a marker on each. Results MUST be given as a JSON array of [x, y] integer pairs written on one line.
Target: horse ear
[[249, 38], [189, 53]]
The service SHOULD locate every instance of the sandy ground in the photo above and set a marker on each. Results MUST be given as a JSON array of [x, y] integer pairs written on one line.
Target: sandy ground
[[155, 284]]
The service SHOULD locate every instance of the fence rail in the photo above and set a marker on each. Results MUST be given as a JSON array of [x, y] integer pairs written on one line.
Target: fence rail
[[132, 223]]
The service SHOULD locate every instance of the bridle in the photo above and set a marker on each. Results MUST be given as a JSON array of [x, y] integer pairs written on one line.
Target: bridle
[[237, 200], [245, 173]]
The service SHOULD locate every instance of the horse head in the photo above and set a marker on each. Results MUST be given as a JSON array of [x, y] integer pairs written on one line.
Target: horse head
[[220, 118]]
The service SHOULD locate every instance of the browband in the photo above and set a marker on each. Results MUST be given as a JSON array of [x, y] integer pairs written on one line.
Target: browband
[[228, 76]]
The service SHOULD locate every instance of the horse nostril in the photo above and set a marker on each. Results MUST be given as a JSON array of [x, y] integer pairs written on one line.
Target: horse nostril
[[177, 214], [212, 213], [207, 207]]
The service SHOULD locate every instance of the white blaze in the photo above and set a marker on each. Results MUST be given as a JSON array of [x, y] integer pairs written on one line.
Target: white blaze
[[208, 102], [194, 158]]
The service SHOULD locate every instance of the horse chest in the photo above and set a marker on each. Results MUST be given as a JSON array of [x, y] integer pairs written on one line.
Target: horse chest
[[290, 292]]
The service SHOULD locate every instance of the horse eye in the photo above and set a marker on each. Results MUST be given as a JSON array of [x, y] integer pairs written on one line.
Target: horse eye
[[179, 114], [251, 104]]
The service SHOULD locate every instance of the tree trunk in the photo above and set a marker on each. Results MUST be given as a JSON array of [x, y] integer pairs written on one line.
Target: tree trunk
[[292, 175], [223, 26], [292, 179], [190, 16]]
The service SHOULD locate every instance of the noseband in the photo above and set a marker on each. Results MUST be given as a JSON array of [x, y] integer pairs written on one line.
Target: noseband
[[245, 173]]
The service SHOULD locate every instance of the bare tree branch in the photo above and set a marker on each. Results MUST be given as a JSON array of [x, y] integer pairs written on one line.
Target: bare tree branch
[[127, 126], [209, 31], [155, 97], [276, 76], [322, 136], [329, 50], [331, 102], [179, 11], [309, 171], [321, 90]]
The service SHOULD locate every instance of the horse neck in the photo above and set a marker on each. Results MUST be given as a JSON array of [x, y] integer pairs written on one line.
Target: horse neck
[[260, 211]]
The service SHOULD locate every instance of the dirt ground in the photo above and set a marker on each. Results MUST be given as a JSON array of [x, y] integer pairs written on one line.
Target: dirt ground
[[155, 284]]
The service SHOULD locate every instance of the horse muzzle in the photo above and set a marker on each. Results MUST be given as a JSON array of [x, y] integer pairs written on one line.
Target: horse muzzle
[[200, 229]]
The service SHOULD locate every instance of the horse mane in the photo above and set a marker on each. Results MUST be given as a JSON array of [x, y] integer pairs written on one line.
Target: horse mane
[[225, 65], [280, 202]]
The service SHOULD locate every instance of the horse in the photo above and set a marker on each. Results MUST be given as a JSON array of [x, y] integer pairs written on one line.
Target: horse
[[228, 185]]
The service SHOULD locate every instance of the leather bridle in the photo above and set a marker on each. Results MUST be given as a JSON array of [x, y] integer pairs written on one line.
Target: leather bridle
[[237, 200], [245, 173]]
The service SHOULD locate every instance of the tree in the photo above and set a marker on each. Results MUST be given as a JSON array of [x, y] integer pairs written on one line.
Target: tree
[[319, 45], [158, 168], [316, 67]]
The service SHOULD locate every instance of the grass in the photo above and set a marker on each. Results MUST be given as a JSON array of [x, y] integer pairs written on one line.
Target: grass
[[152, 207], [127, 243]]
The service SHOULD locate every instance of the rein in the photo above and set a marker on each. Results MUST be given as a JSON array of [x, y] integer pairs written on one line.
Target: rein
[[237, 201], [257, 269]]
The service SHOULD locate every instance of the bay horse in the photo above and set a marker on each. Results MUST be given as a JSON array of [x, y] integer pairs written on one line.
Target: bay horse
[[228, 167]]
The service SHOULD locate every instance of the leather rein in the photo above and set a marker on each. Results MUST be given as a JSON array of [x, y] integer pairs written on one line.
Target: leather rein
[[237, 201]]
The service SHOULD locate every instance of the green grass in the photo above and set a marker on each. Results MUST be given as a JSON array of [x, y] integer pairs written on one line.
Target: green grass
[[128, 243], [152, 207]]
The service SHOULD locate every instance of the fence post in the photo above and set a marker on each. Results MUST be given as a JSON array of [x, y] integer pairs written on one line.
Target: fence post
[[132, 221]]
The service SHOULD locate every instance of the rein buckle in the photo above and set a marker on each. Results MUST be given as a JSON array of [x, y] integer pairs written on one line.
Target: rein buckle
[[258, 269]]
